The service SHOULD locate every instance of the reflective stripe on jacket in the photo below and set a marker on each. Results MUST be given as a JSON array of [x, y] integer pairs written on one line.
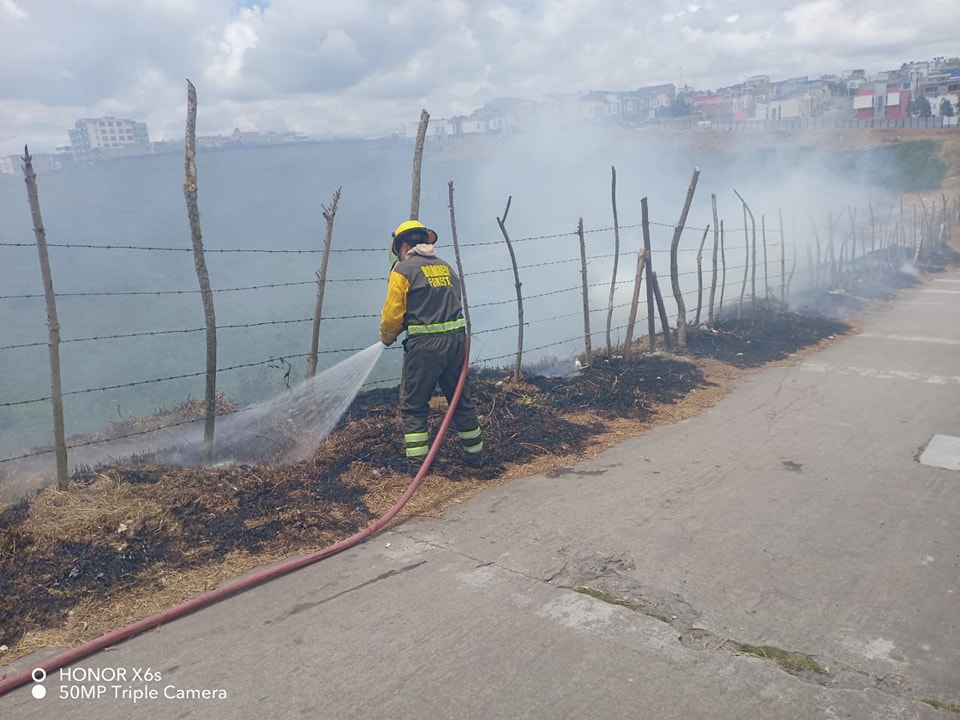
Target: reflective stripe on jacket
[[423, 298]]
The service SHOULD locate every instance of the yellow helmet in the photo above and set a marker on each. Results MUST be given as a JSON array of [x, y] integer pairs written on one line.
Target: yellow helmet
[[409, 226]]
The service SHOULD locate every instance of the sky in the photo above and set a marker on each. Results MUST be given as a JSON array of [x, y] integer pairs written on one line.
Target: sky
[[335, 68]]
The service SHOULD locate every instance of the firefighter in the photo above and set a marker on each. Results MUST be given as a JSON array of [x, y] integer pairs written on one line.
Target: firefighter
[[423, 299]]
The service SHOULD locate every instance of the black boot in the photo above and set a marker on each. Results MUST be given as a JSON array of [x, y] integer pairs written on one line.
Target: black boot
[[473, 460]]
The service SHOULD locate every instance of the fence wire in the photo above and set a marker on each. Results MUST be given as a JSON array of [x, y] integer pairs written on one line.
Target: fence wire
[[735, 279]]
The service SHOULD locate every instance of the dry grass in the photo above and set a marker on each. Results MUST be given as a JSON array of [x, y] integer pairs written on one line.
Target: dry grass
[[282, 512]]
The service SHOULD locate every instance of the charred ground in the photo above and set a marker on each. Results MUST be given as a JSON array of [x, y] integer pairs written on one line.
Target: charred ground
[[129, 537], [128, 540]]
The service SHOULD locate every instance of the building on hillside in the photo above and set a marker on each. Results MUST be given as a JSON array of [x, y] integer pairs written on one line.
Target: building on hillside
[[835, 85], [459, 127], [464, 125], [944, 80], [508, 114], [803, 105], [42, 163], [108, 137], [437, 128], [254, 137], [598, 107], [791, 86], [882, 101], [735, 104], [645, 104]]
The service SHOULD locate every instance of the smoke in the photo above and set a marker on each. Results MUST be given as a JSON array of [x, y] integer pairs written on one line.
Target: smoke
[[266, 203]]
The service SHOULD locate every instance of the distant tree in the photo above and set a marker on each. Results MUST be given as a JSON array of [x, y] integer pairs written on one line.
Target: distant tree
[[919, 107], [946, 108]]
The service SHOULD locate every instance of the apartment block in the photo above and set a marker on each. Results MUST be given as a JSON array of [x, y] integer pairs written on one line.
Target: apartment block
[[108, 137]]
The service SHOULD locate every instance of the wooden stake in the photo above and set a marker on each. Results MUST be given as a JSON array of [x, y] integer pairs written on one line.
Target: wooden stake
[[456, 252], [674, 265], [53, 323], [616, 256], [648, 270], [206, 293], [517, 373], [723, 276], [664, 323], [700, 275], [635, 301], [329, 213], [417, 165], [748, 264], [763, 236], [716, 243], [587, 342]]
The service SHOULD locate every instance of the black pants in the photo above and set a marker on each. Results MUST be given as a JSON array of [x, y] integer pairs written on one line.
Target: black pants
[[428, 361]]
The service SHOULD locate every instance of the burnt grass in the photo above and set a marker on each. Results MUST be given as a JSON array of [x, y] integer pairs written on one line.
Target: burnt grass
[[207, 513]]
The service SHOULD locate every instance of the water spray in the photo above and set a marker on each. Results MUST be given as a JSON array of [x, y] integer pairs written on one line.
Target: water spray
[[68, 657]]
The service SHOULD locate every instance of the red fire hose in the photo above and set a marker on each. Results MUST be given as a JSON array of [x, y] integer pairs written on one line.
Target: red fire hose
[[208, 598]]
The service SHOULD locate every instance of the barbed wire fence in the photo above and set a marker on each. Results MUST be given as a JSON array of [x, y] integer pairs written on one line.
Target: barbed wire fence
[[791, 267]]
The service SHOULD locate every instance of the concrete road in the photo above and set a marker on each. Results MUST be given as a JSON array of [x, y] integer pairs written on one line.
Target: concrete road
[[807, 512]]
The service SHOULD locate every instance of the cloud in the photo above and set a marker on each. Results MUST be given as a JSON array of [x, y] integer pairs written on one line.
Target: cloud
[[240, 35], [366, 66], [11, 9]]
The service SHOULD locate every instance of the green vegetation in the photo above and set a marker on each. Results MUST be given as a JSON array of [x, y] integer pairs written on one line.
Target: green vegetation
[[920, 106], [939, 705], [614, 600], [790, 661], [901, 167]]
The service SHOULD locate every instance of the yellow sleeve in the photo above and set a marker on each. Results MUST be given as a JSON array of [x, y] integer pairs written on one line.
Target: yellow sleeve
[[394, 308]]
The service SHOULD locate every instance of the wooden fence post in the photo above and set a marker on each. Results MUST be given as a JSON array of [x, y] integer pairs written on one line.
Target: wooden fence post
[[664, 322], [753, 264], [329, 213], [746, 261], [784, 281], [703, 241], [53, 323], [616, 256], [716, 243], [674, 265], [200, 263], [763, 237], [417, 165], [517, 372], [648, 270], [587, 342], [456, 252], [723, 269]]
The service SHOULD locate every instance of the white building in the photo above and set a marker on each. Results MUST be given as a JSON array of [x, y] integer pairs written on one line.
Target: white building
[[93, 138], [802, 105], [448, 128]]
